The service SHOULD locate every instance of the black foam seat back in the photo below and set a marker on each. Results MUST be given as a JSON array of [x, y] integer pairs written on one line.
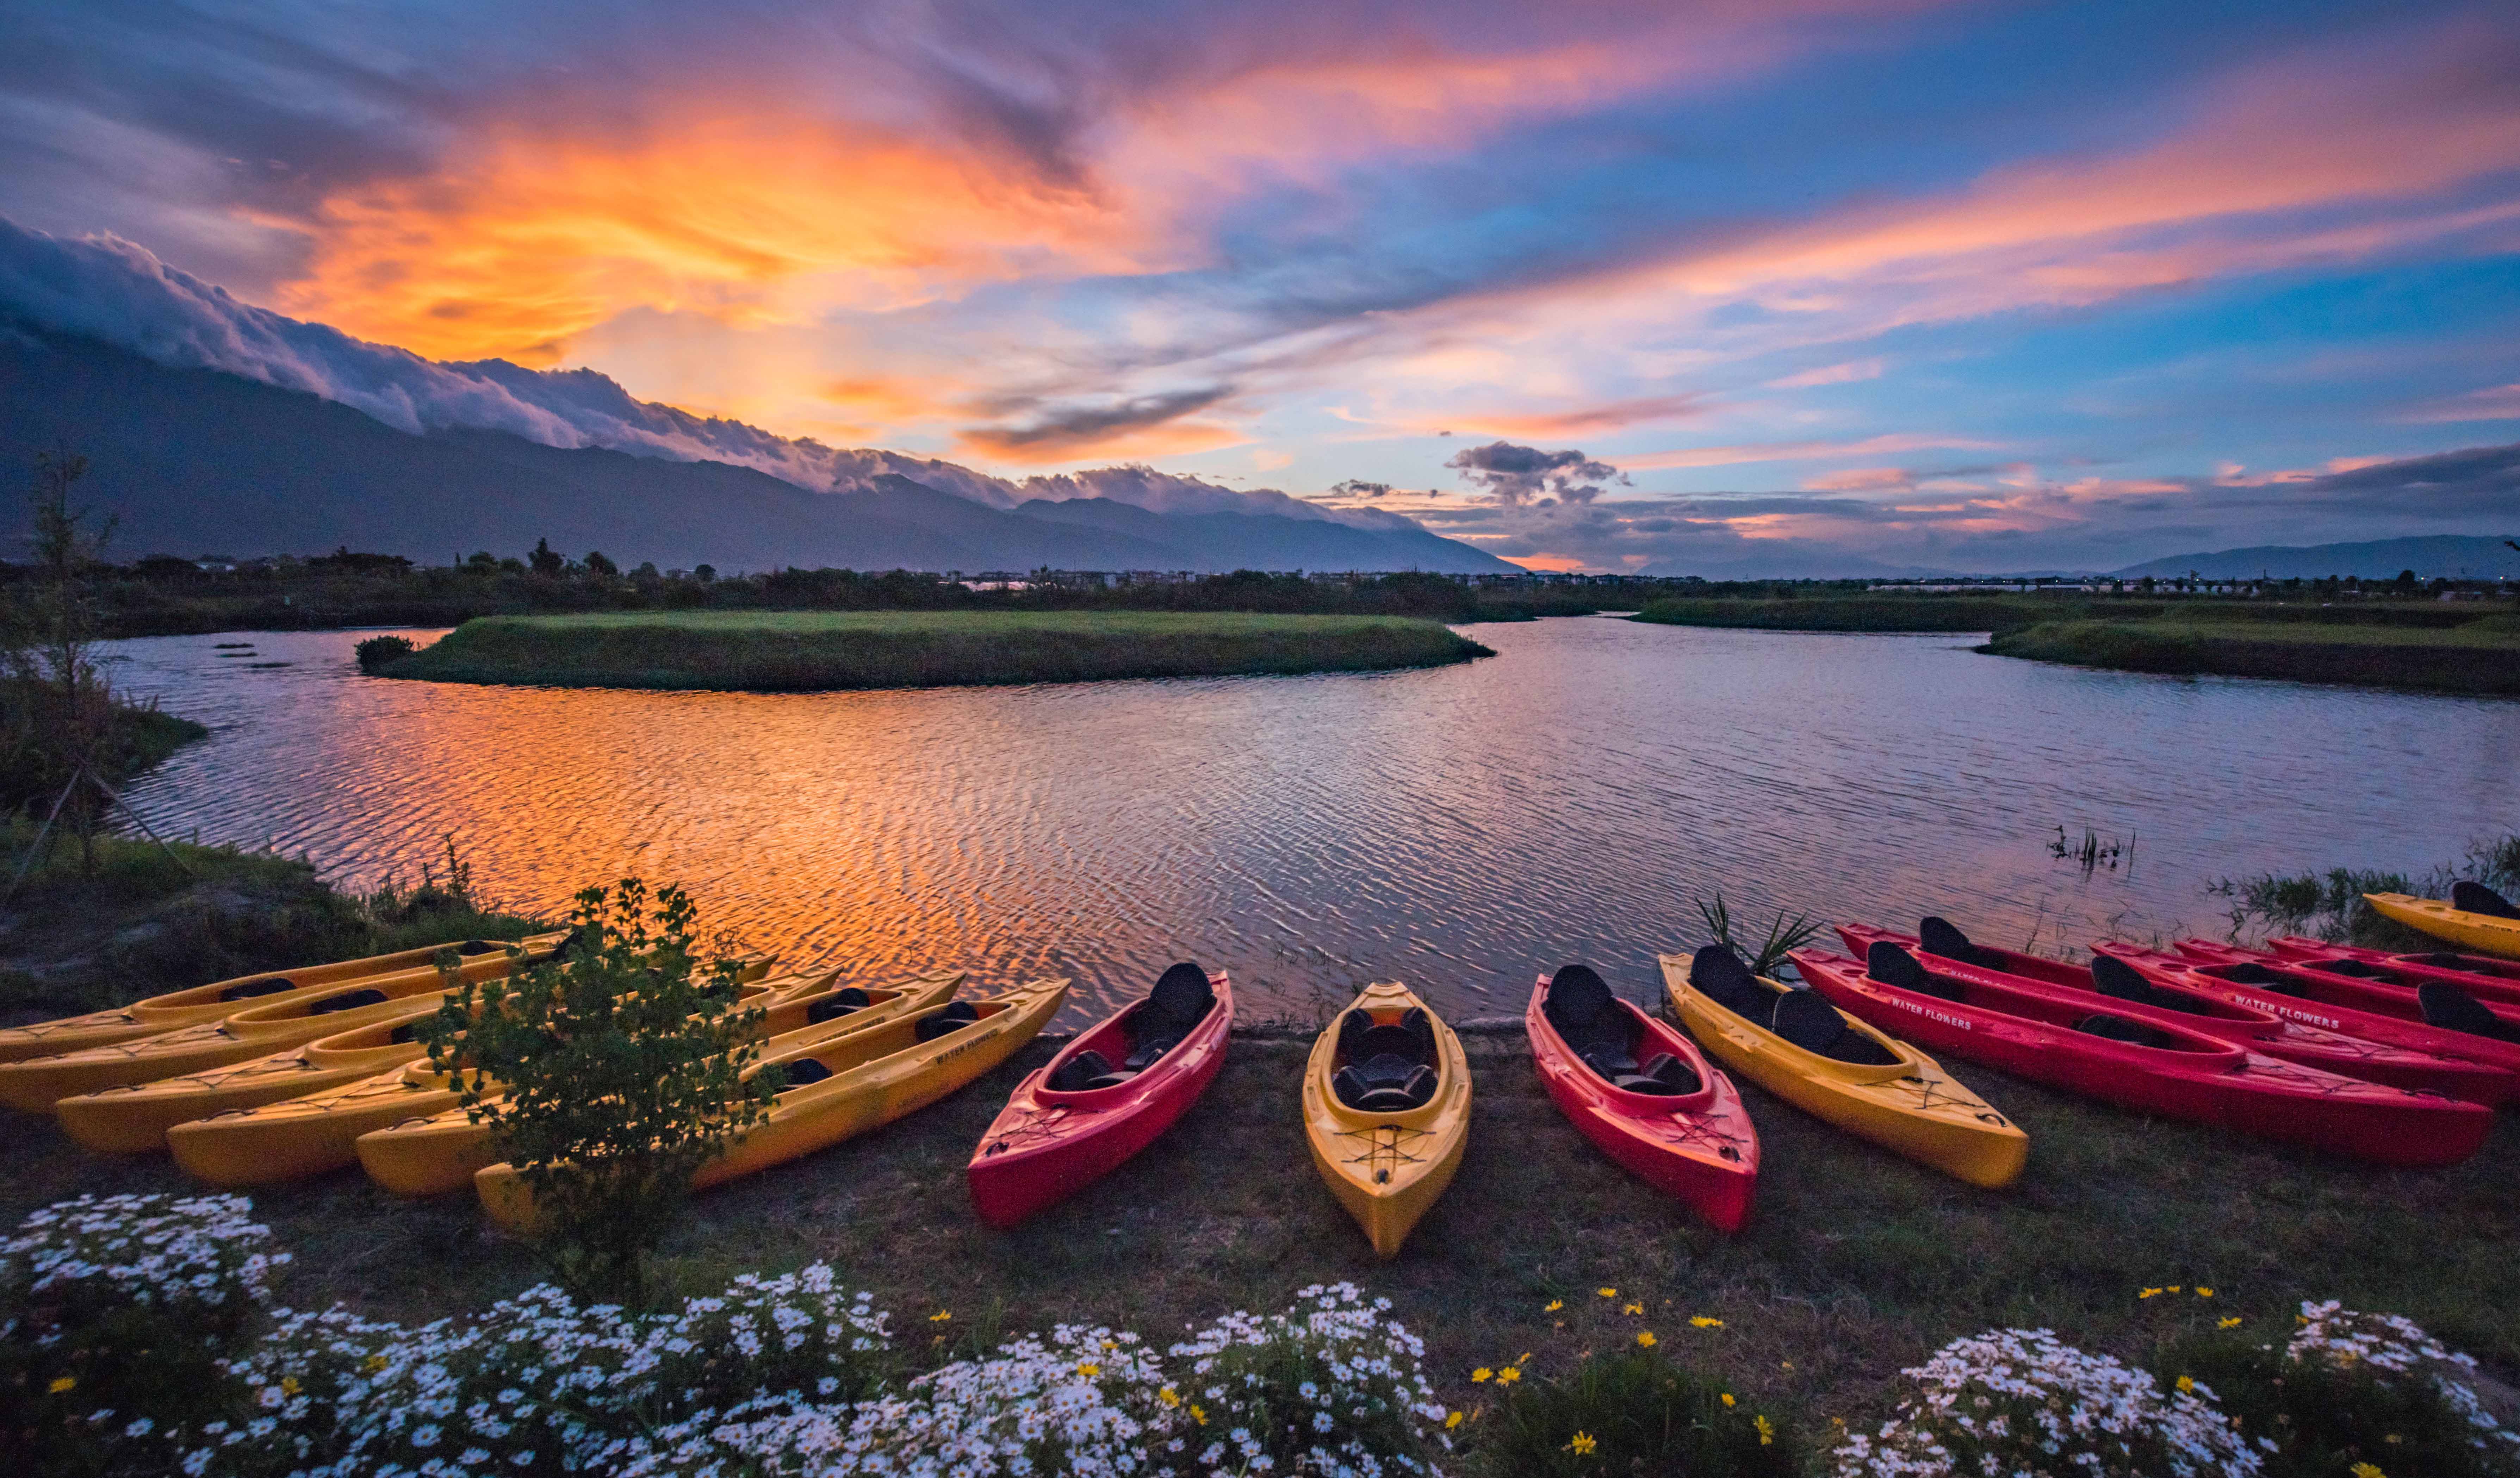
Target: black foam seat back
[[1389, 1042], [1182, 998], [475, 947], [800, 1072], [1355, 1023], [252, 988], [1937, 935], [1078, 1072], [2120, 1029], [2250, 972], [1894, 966], [1611, 1062], [1807, 1020], [1723, 977], [837, 1005], [1149, 1052], [348, 1000], [2352, 968], [2451, 1009], [954, 1017], [1578, 1002], [2112, 977], [2476, 898], [404, 1034]]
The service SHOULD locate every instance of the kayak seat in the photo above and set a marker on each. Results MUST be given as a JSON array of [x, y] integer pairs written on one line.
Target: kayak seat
[[1721, 975], [1182, 998], [2476, 898], [953, 1018], [2451, 1009], [1149, 1051], [802, 1071], [1894, 966], [1806, 1020], [271, 987], [1390, 1041], [2112, 977], [2120, 1029], [2249, 973], [1580, 1006], [837, 1005], [348, 1000], [1384, 1084], [1663, 1076], [1077, 1073], [1937, 935], [1610, 1062], [475, 947], [2442, 961], [402, 1035], [2355, 968]]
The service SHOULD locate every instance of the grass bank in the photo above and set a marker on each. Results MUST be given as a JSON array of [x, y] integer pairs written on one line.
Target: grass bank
[[141, 738], [2480, 655], [808, 650], [151, 919], [1854, 1265]]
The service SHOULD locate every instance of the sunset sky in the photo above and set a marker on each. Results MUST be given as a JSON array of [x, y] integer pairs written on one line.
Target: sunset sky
[[1968, 286]]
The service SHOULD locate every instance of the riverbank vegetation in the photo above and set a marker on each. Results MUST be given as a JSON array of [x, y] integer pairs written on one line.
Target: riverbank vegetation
[[797, 651], [2307, 632]]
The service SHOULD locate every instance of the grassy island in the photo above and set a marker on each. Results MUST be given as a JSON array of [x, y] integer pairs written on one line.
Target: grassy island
[[2422, 645], [813, 651]]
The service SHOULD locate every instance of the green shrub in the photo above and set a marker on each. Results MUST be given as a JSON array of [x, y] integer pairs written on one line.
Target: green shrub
[[1633, 1412], [623, 1072], [376, 653], [2351, 1390]]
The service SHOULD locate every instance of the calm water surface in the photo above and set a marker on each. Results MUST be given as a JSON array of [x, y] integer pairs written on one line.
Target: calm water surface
[[1460, 828]]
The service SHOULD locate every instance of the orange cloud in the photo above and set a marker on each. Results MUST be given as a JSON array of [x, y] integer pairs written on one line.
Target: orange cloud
[[1861, 479], [1845, 373], [1600, 418], [1058, 447]]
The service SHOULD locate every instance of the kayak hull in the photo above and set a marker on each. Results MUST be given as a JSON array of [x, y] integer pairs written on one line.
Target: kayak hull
[[138, 1119], [1913, 1107], [2497, 981], [879, 1074], [2481, 932], [2202, 1079], [432, 1147], [1699, 1149], [1047, 1146], [1388, 1170]]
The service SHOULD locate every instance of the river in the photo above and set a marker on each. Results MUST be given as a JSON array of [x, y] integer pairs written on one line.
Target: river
[[1461, 828]]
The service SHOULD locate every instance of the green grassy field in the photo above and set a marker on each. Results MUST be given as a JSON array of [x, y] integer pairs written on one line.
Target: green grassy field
[[808, 650], [1855, 1264]]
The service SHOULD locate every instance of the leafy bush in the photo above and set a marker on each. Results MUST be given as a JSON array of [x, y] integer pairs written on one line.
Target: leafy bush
[[378, 652], [1330, 1386], [2353, 1389], [2020, 1403], [2329, 904], [114, 1314], [1633, 1412], [623, 1074]]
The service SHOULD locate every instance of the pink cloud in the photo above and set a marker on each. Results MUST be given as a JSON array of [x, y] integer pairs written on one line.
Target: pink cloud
[[2493, 403], [1845, 373], [1788, 451]]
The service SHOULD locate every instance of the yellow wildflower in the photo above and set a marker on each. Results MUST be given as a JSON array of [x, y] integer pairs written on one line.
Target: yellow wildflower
[[2204, 1292], [1788, 1365], [1196, 1414], [1509, 1376], [1169, 1397], [1480, 1375], [2186, 1384], [2149, 1293], [1089, 1369], [1555, 1305], [1452, 1421], [1110, 1345], [1705, 1322], [1525, 1358], [2173, 1288], [1728, 1398], [1607, 1293], [2228, 1323], [940, 1316], [376, 1361], [2367, 1470], [1583, 1444], [1645, 1337], [289, 1385], [1766, 1433], [62, 1383], [1636, 1308]]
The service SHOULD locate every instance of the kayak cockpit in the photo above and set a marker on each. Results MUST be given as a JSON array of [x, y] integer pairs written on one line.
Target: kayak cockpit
[[1136, 1039], [1386, 1065], [1606, 1035], [1888, 964], [1801, 1018]]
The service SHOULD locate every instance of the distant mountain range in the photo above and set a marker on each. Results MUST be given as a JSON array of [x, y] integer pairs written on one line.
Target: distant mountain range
[[2455, 556], [199, 461]]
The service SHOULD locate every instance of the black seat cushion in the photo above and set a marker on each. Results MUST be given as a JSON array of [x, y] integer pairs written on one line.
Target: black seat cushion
[[1611, 1062], [1354, 1024], [837, 1005], [1806, 1020], [2112, 977], [1384, 1084], [2354, 969], [1580, 1004], [475, 947], [406, 1033], [954, 1017], [1150, 1050], [1894, 966], [1662, 1076], [1937, 935], [2250, 972], [251, 988], [1722, 976], [2120, 1029], [802, 1071], [1181, 1000], [2476, 898], [348, 1000], [2452, 1009], [1078, 1073]]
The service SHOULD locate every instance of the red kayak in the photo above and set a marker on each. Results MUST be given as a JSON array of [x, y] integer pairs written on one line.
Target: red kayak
[[1103, 1097], [2155, 1066], [1642, 1092], [2109, 984], [2495, 983], [2491, 1034]]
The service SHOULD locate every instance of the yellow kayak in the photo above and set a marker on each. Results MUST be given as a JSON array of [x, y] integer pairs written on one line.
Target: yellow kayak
[[1841, 1070], [413, 1136], [1387, 1110], [2485, 933], [285, 1021], [215, 1003], [846, 1085]]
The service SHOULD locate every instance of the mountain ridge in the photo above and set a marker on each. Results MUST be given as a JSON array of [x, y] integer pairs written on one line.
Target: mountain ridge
[[2473, 556]]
